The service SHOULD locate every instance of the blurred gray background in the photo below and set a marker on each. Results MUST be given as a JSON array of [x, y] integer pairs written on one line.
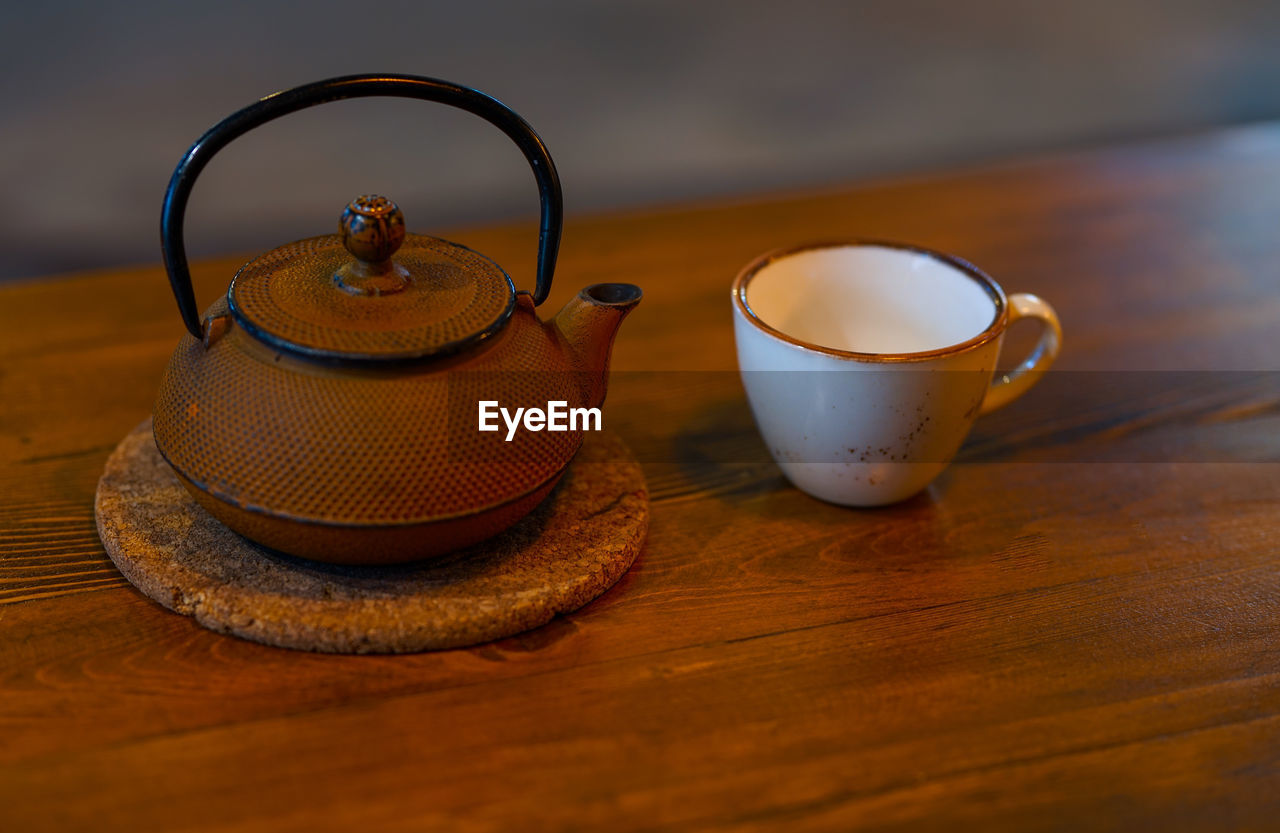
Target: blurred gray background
[[640, 101]]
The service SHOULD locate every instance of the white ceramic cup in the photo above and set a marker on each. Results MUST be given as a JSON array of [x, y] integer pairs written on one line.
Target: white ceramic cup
[[865, 363]]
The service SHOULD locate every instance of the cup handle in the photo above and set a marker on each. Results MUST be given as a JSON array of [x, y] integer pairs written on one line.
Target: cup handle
[[1007, 387]]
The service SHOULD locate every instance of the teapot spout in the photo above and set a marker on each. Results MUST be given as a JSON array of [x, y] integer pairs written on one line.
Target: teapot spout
[[588, 324]]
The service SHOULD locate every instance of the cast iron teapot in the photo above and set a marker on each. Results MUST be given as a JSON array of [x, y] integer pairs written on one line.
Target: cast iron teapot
[[328, 405]]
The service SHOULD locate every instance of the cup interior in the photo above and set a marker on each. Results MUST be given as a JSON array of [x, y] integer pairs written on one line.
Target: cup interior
[[872, 298]]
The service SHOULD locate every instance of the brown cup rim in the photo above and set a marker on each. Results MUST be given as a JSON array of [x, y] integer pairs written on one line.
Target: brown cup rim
[[998, 323]]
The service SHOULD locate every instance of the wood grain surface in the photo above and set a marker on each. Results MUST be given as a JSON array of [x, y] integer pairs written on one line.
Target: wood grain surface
[[1075, 627]]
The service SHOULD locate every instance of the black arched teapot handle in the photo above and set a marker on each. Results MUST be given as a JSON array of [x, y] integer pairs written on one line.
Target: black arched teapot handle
[[336, 89]]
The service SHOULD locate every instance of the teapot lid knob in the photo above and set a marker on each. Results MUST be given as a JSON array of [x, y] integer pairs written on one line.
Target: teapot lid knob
[[433, 298], [372, 228]]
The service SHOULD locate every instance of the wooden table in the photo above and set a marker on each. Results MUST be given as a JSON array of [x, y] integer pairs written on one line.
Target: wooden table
[[1076, 626]]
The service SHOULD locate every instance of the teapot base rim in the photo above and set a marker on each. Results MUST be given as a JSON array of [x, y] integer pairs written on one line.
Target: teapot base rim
[[369, 545]]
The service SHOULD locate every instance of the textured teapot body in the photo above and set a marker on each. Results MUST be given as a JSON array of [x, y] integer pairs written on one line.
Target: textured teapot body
[[380, 464]]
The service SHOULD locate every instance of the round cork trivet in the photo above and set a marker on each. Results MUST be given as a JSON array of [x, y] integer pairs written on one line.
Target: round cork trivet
[[569, 550]]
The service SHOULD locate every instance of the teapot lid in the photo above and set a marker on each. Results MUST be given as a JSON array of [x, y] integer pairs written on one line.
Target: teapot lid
[[372, 292]]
